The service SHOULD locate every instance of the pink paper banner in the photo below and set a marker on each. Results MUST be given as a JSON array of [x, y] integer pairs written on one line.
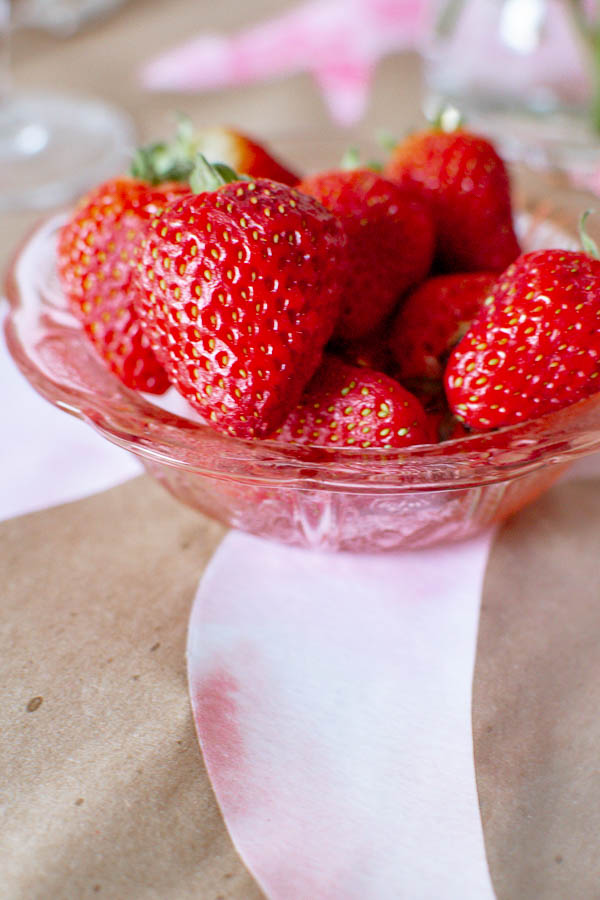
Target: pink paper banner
[[339, 41], [332, 700]]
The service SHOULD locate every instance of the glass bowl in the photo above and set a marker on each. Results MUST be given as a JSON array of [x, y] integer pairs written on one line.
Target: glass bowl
[[335, 499]]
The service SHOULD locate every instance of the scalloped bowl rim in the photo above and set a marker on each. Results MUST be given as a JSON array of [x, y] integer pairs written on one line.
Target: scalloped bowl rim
[[502, 455]]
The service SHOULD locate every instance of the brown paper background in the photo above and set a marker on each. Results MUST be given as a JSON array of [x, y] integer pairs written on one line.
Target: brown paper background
[[102, 786], [536, 699]]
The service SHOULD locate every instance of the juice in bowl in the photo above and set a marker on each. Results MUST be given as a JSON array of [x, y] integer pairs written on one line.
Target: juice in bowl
[[305, 446]]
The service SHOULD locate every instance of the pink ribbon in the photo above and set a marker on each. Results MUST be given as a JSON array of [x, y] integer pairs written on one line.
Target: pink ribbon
[[339, 41]]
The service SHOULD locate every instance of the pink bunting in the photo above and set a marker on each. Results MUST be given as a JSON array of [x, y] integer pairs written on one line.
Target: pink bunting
[[339, 41]]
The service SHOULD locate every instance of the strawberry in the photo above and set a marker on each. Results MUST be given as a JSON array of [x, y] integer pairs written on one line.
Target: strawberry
[[446, 427], [238, 292], [467, 185], [370, 352], [390, 243], [433, 318], [348, 406], [535, 345], [99, 244], [96, 250], [241, 153], [443, 425]]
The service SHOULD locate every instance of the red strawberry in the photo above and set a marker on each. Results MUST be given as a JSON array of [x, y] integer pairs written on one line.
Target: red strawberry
[[443, 425], [370, 352], [433, 318], [534, 347], [241, 153], [390, 243], [238, 293], [467, 184], [96, 250], [446, 427], [346, 406]]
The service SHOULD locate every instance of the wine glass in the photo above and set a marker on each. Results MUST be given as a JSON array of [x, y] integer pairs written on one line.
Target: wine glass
[[525, 72], [53, 146]]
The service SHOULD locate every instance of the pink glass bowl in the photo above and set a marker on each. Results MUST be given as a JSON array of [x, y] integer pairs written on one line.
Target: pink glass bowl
[[350, 499]]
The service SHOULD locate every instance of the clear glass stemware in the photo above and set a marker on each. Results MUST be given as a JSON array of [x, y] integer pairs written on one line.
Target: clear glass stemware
[[53, 146], [525, 72]]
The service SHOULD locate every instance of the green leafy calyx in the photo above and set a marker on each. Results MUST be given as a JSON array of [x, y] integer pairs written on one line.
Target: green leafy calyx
[[351, 161], [448, 118], [164, 161], [207, 176], [588, 243]]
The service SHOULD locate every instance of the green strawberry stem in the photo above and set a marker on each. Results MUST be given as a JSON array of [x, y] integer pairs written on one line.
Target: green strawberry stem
[[167, 160], [156, 163], [350, 161], [179, 160], [587, 242], [386, 140], [207, 176], [448, 17], [595, 65], [589, 35], [448, 118]]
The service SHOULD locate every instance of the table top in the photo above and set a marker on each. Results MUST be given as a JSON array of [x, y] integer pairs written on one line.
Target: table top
[[96, 594]]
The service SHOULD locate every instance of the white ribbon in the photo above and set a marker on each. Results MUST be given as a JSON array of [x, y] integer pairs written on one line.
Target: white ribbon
[[332, 699]]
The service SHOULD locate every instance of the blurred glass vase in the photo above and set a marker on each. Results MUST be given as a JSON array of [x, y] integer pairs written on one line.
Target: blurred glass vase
[[53, 146], [527, 72]]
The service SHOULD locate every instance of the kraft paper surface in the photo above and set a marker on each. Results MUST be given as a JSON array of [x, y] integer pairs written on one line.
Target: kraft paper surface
[[103, 787]]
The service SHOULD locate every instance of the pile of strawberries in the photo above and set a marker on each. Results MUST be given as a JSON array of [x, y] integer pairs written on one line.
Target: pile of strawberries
[[363, 306]]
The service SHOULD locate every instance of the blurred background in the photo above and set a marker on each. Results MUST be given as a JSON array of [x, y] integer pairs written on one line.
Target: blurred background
[[525, 71], [105, 57]]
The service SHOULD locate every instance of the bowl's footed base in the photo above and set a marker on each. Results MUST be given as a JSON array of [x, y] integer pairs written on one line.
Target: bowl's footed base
[[355, 522]]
